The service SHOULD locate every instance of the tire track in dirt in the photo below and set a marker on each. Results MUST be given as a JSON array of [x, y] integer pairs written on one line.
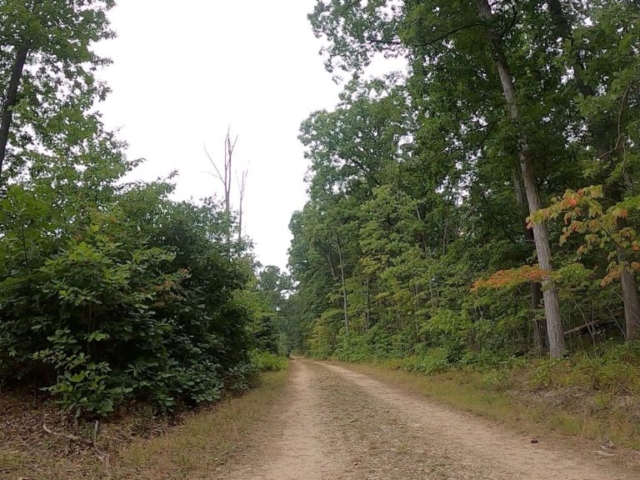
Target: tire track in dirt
[[336, 424]]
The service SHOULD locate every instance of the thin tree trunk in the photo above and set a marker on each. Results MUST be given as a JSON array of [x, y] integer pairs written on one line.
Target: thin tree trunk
[[333, 271], [11, 100], [345, 304], [551, 304], [599, 141], [367, 313], [242, 185]]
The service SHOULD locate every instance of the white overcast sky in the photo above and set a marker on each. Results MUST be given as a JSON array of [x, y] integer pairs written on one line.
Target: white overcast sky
[[184, 71]]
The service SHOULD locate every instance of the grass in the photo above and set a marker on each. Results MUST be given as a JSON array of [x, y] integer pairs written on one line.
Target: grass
[[584, 397], [203, 442], [193, 449]]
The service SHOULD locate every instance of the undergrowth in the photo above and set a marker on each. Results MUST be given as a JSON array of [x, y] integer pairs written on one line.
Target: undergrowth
[[201, 442], [268, 362]]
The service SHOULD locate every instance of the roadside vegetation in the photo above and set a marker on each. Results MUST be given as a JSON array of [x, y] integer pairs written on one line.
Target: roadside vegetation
[[139, 445]]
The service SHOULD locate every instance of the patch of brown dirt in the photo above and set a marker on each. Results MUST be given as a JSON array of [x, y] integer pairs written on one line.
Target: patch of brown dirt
[[336, 424], [37, 441], [299, 442]]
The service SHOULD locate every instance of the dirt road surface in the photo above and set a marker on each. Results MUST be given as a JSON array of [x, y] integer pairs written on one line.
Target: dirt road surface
[[336, 424]]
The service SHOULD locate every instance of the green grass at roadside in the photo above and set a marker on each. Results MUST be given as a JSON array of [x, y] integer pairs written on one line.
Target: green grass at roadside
[[204, 441]]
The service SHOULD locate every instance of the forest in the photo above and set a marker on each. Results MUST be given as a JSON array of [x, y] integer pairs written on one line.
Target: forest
[[461, 298], [483, 205], [477, 208]]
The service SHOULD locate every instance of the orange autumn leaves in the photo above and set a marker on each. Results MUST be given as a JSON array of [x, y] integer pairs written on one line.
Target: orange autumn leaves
[[512, 278], [599, 228]]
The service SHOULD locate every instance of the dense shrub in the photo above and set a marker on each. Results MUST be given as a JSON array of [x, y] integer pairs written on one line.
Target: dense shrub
[[130, 298], [268, 362]]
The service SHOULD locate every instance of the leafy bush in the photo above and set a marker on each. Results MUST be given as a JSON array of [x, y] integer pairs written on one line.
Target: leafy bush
[[129, 298], [241, 378], [435, 360], [613, 369], [268, 362]]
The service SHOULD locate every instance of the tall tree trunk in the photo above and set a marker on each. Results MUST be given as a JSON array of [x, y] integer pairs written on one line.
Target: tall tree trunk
[[551, 304], [598, 134], [367, 313], [226, 179], [629, 294], [536, 287], [345, 304], [11, 100]]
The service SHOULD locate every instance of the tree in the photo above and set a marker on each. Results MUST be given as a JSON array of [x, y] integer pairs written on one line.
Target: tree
[[541, 235], [353, 40], [110, 292], [225, 176], [605, 126], [47, 73]]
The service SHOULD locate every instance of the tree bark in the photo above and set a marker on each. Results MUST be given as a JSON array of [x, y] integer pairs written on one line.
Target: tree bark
[[631, 305], [11, 100], [599, 142], [551, 304], [226, 179], [368, 310], [345, 304], [536, 287], [242, 185], [629, 294]]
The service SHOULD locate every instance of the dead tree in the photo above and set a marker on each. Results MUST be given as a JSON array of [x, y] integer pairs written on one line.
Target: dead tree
[[225, 176]]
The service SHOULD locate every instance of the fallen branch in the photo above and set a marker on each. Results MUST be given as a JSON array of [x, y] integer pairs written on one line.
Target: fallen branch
[[9, 408], [587, 325], [68, 436], [102, 456]]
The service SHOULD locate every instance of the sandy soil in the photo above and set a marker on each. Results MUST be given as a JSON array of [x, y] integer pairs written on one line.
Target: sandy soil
[[336, 424]]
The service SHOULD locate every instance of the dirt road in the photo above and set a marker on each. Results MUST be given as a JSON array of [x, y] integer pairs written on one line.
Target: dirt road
[[336, 424]]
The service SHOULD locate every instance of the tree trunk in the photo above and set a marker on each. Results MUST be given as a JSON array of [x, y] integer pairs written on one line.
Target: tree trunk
[[242, 185], [536, 287], [345, 304], [368, 309], [538, 327], [631, 305], [333, 271], [629, 294], [11, 100], [541, 235], [599, 142]]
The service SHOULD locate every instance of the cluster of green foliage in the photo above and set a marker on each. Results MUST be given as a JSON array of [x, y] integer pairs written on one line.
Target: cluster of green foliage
[[110, 291], [268, 362], [417, 241]]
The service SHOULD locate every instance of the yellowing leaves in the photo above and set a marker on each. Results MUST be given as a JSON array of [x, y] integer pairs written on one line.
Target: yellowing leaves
[[513, 277]]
